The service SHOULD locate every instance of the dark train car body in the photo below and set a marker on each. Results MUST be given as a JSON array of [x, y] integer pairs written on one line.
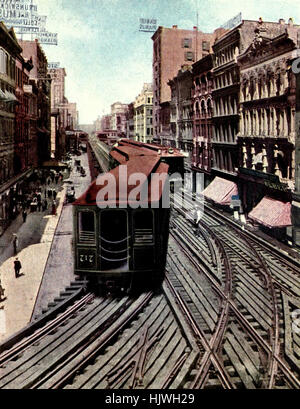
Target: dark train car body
[[121, 229]]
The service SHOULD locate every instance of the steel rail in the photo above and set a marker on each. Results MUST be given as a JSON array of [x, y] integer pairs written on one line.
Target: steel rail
[[89, 350], [209, 354], [243, 320], [42, 332]]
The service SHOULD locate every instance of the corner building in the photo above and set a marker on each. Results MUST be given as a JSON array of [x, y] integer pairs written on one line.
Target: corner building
[[266, 140], [172, 48]]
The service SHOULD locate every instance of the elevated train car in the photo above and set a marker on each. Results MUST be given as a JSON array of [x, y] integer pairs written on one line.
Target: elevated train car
[[121, 229], [172, 156]]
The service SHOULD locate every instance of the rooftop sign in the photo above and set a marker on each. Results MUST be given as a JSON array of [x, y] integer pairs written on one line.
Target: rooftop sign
[[148, 25], [23, 17], [233, 22], [53, 65]]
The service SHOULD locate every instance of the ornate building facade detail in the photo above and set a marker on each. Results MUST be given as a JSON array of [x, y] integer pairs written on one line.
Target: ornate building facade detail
[[267, 115], [181, 110], [202, 115]]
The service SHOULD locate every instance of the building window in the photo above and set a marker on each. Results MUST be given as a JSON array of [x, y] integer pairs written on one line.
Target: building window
[[189, 56], [205, 45], [186, 42]]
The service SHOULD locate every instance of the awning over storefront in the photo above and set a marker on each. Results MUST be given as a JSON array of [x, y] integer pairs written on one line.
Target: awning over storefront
[[220, 191], [272, 213]]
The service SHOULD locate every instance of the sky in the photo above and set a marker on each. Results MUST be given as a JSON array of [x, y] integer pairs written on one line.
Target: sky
[[107, 58]]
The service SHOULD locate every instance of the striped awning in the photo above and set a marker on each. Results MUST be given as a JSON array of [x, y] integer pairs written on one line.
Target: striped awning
[[220, 191], [272, 213]]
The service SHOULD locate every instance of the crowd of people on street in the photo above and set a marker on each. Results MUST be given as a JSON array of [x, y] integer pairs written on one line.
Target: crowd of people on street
[[36, 199], [39, 196]]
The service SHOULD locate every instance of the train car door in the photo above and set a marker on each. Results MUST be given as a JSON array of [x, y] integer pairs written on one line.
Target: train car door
[[113, 247]]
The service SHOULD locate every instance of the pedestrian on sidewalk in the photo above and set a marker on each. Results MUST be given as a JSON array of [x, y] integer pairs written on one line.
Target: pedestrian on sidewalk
[[56, 178], [24, 215], [17, 267], [1, 292], [45, 205], [49, 181], [15, 243], [39, 205], [53, 212], [54, 194]]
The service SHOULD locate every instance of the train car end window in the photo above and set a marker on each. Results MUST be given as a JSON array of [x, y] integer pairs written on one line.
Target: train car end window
[[86, 226]]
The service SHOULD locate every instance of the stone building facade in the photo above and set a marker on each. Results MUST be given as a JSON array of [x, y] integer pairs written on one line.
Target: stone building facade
[[118, 117], [130, 121], [105, 122], [143, 105], [227, 87], [267, 118], [202, 116]]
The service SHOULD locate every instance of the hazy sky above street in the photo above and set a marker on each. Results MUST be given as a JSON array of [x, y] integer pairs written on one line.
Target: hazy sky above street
[[105, 56]]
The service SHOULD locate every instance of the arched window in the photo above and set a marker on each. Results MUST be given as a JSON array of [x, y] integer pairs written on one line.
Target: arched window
[[203, 109], [209, 107]]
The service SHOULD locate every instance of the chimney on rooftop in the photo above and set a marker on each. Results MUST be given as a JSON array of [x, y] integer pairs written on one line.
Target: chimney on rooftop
[[291, 21], [281, 21], [174, 26]]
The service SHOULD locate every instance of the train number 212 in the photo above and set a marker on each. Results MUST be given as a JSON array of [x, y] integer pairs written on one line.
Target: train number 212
[[86, 258]]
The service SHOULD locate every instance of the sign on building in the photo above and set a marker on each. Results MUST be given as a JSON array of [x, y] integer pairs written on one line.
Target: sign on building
[[22, 15], [53, 65], [45, 37], [235, 201], [148, 25], [27, 89], [233, 22]]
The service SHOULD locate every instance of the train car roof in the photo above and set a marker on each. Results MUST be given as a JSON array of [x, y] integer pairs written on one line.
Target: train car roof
[[122, 153], [120, 192], [163, 151]]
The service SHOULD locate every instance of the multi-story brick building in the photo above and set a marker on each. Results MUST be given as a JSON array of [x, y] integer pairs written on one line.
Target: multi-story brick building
[[39, 73], [181, 111], [173, 47], [143, 127], [9, 51], [22, 142], [202, 116]]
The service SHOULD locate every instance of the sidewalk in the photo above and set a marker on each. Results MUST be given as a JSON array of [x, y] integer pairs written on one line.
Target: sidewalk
[[59, 269], [34, 242]]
